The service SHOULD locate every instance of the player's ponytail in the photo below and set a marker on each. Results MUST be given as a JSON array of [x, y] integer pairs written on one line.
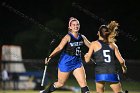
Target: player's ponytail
[[112, 27], [108, 32]]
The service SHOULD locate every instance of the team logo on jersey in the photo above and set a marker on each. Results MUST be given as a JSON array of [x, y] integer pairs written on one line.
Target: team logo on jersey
[[76, 43]]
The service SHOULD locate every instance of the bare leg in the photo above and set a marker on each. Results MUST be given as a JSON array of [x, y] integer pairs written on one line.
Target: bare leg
[[100, 87], [80, 76], [62, 77], [116, 87]]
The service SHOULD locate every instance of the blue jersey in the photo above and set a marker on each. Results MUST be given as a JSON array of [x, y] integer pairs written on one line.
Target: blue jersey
[[70, 58]]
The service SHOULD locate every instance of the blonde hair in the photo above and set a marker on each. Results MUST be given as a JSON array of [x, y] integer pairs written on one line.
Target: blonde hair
[[112, 27], [108, 32]]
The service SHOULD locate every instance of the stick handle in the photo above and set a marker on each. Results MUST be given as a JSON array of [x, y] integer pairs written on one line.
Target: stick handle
[[44, 73], [93, 60]]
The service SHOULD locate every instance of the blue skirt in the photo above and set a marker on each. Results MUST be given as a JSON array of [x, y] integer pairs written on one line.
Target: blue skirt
[[68, 63], [107, 77]]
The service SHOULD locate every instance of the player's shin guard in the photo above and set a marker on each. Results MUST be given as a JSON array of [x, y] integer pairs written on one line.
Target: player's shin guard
[[50, 89], [85, 89]]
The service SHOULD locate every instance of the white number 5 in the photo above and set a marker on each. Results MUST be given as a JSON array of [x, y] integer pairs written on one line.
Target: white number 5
[[108, 58]]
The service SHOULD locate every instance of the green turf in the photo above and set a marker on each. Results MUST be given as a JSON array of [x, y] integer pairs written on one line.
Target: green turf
[[131, 86], [126, 85], [30, 91]]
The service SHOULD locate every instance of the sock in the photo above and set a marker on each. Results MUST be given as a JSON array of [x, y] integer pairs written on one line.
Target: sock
[[85, 89], [50, 89], [126, 91]]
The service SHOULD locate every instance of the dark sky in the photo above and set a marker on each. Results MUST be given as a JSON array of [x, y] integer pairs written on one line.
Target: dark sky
[[126, 12]]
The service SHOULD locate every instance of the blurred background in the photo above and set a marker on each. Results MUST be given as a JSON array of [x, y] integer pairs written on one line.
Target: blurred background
[[28, 28]]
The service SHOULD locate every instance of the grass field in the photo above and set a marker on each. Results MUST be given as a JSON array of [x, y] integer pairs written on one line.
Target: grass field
[[131, 86], [30, 91]]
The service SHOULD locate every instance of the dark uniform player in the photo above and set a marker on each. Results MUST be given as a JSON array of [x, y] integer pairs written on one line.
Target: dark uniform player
[[70, 59], [105, 63], [104, 51]]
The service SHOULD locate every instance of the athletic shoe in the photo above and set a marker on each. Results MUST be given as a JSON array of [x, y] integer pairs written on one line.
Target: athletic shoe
[[41, 91]]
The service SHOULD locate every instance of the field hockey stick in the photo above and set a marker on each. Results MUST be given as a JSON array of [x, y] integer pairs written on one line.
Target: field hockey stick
[[46, 65], [44, 74], [91, 59]]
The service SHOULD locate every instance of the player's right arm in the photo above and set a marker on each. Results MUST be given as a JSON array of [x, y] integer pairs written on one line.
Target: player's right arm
[[58, 48]]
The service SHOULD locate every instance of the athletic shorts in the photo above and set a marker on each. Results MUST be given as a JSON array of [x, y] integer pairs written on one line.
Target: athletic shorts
[[68, 63], [107, 77]]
